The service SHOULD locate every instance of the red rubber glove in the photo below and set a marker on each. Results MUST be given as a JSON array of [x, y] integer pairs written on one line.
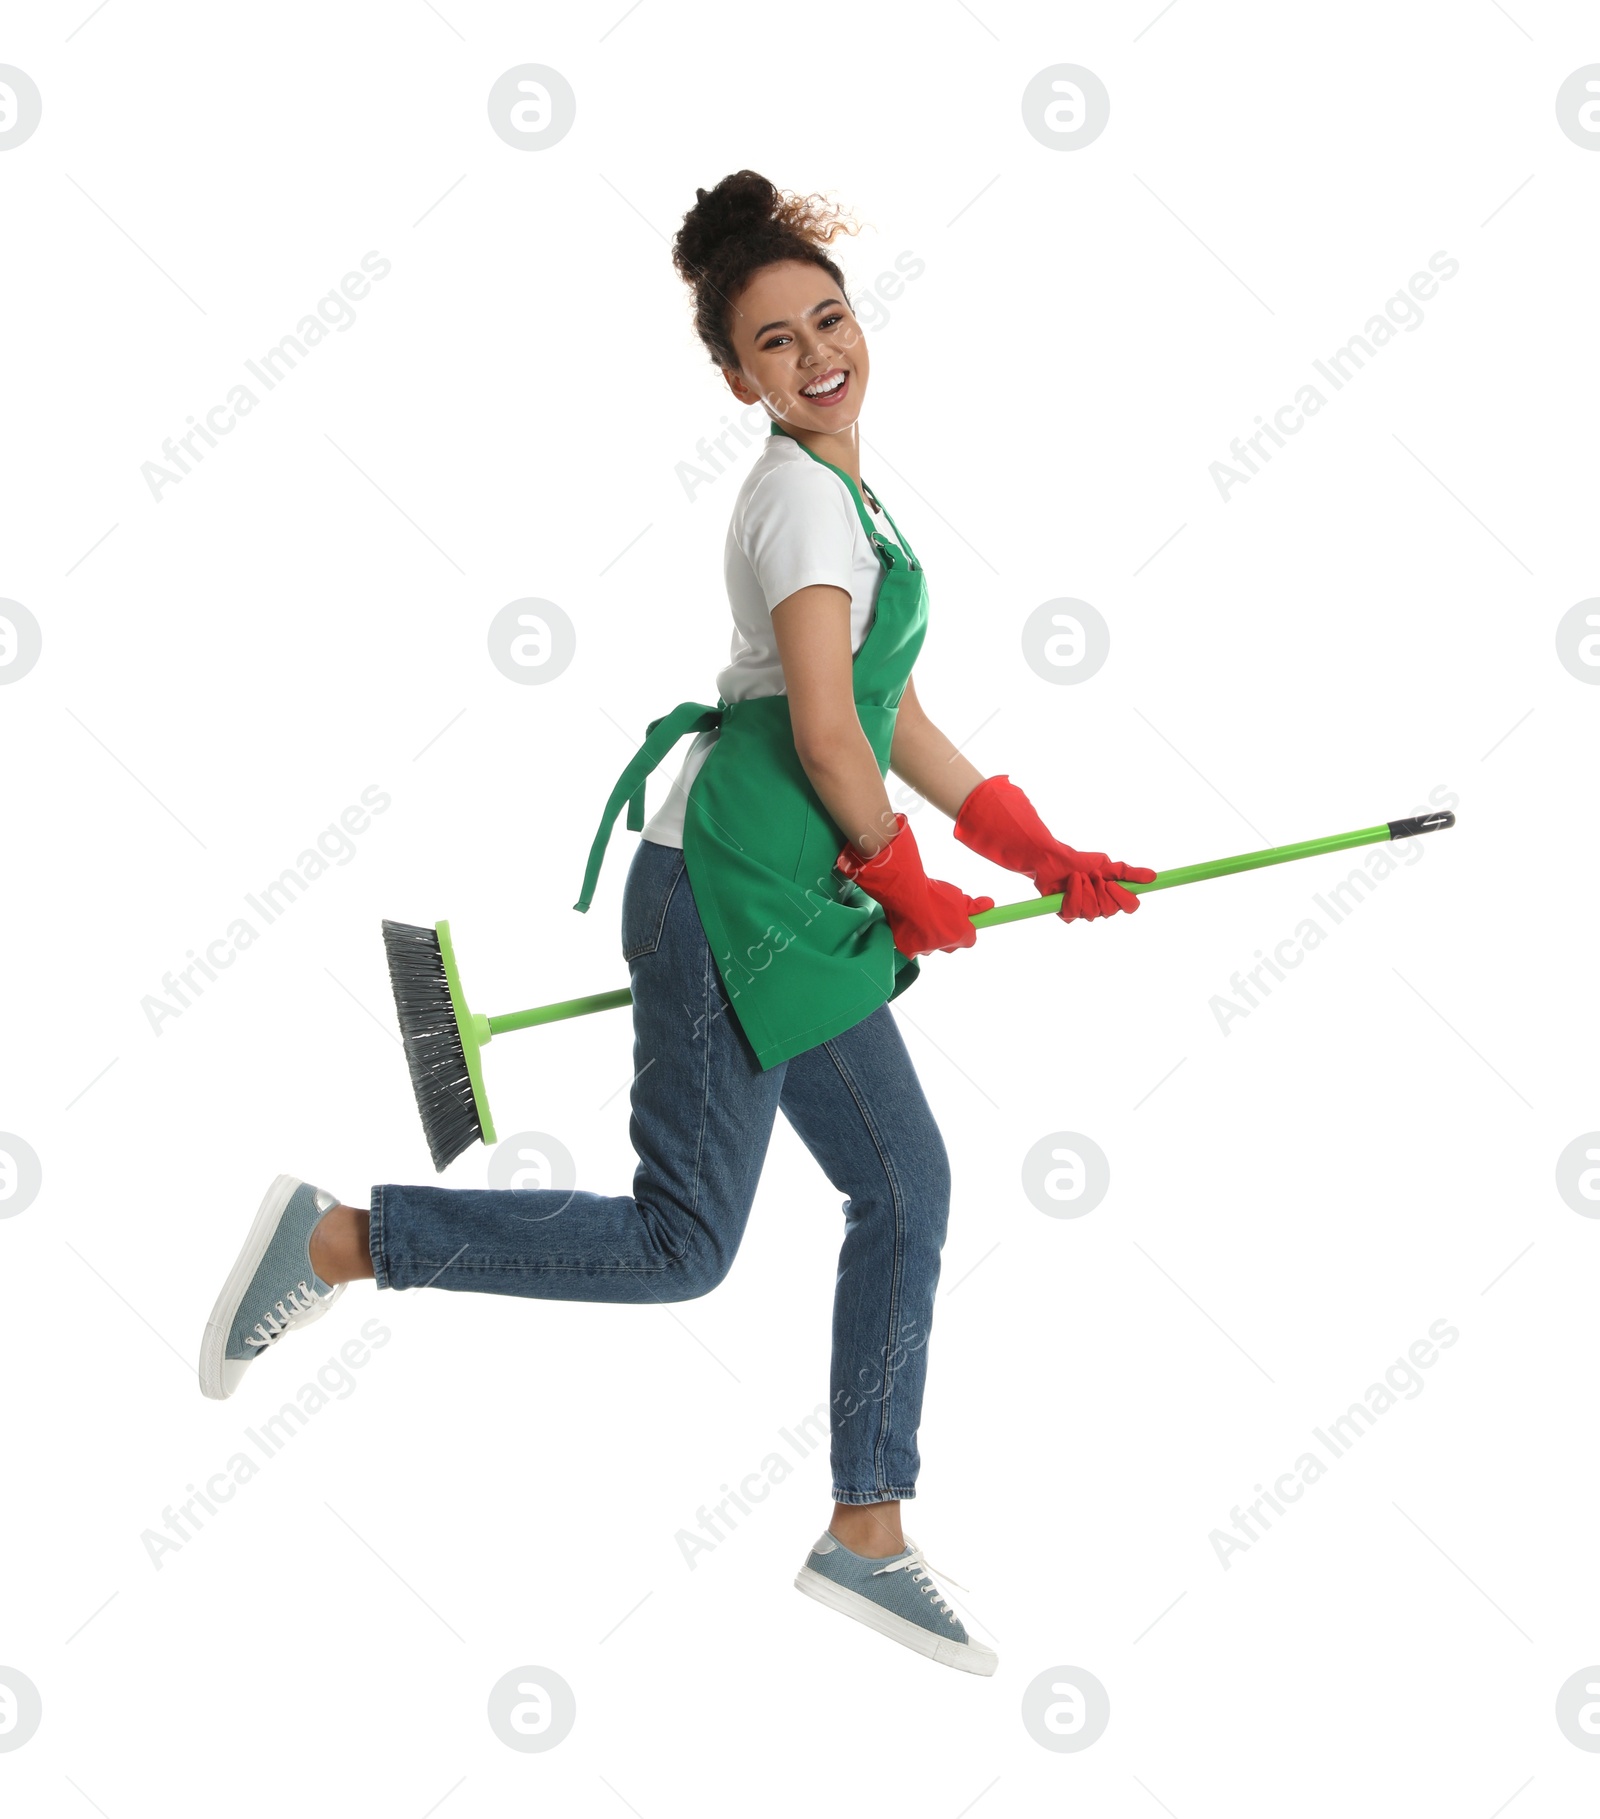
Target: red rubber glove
[[924, 913], [999, 821]]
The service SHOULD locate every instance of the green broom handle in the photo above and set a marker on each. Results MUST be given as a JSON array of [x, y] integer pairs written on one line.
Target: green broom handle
[[1240, 862], [1048, 906], [553, 1013]]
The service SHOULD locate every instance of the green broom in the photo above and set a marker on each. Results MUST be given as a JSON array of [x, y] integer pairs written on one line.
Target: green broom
[[444, 1040]]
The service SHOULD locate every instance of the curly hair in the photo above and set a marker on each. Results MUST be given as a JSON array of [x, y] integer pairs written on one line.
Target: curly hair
[[735, 229]]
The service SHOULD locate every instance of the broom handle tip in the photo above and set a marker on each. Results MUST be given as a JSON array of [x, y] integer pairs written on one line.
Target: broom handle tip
[[1421, 824]]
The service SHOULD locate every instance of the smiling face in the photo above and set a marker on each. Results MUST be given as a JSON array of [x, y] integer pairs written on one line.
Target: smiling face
[[802, 353]]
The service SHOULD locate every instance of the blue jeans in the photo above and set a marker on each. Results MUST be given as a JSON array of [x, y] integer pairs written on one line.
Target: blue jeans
[[702, 1115]]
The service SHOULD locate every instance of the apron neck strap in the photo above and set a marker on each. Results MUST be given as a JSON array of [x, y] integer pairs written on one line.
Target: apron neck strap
[[873, 536]]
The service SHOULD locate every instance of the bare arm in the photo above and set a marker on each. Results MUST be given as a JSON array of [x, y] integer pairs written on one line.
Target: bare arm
[[926, 759], [812, 628]]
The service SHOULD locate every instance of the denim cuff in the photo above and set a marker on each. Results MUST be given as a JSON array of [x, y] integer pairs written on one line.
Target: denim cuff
[[380, 1271], [895, 1493]]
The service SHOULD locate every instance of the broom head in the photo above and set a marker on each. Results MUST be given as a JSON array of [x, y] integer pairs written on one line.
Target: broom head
[[442, 1040]]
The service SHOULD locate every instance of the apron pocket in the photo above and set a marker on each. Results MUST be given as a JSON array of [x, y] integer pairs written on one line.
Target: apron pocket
[[820, 846]]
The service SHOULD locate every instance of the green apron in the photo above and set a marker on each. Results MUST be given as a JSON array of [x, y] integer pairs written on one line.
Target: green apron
[[803, 953]]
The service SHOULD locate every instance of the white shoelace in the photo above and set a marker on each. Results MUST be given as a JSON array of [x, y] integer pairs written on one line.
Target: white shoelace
[[921, 1569], [282, 1315]]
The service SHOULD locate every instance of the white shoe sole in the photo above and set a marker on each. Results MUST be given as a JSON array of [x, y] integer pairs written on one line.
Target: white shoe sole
[[220, 1375], [970, 1657]]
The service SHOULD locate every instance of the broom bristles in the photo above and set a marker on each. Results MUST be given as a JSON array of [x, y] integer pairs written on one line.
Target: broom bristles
[[434, 1054]]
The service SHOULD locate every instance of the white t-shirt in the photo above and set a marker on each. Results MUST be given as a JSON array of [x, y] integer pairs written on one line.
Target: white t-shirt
[[794, 525]]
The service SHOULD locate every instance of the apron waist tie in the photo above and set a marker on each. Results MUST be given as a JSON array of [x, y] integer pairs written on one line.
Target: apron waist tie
[[660, 737]]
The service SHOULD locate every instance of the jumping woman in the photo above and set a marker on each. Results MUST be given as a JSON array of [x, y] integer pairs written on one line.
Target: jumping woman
[[773, 908]]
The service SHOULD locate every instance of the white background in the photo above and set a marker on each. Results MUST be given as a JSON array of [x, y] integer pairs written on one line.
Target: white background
[[1370, 1150]]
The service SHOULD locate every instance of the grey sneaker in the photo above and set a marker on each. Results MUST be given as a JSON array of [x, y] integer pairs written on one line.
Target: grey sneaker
[[271, 1289], [897, 1597]]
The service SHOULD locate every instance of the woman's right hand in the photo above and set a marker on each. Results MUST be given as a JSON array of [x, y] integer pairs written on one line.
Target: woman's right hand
[[925, 915]]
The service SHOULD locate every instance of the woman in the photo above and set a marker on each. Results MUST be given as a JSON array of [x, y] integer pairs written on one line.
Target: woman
[[775, 905]]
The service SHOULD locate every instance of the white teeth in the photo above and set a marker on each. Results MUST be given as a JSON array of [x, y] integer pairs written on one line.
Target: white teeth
[[824, 386]]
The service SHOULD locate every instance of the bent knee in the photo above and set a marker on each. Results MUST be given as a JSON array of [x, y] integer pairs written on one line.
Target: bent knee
[[929, 1202], [939, 1179], [694, 1272], [931, 1178]]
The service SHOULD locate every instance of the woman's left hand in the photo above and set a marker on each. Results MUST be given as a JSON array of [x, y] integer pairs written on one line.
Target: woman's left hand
[[998, 821]]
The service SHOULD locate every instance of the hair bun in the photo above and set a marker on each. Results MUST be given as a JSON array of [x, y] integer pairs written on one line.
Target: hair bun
[[744, 223], [738, 203]]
